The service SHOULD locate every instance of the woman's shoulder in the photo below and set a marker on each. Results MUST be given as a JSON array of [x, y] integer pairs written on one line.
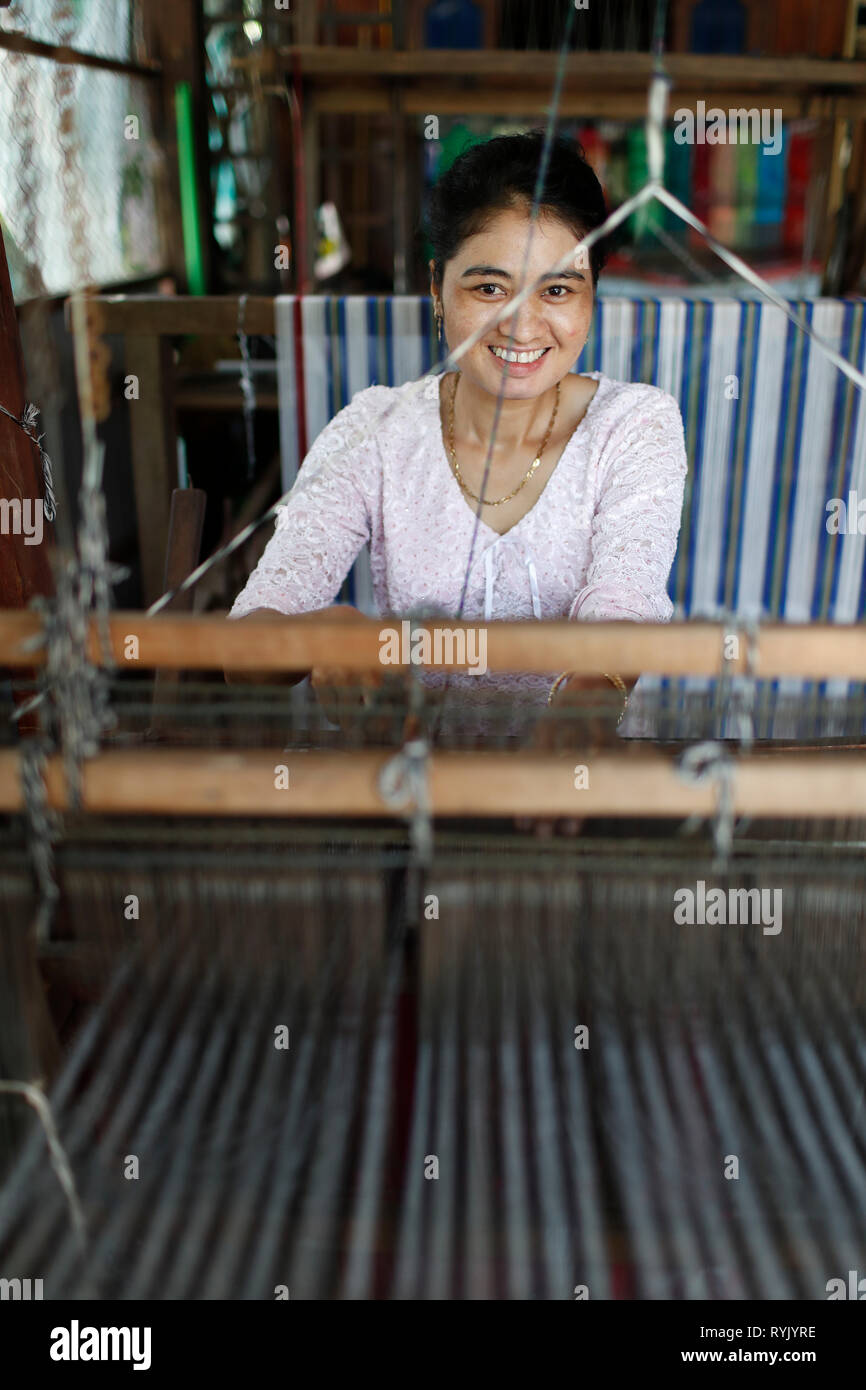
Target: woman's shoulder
[[630, 417], [624, 399], [378, 414], [637, 429], [392, 401], [379, 422]]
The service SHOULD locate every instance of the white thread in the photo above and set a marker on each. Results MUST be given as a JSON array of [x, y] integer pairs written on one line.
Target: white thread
[[33, 1094], [404, 786]]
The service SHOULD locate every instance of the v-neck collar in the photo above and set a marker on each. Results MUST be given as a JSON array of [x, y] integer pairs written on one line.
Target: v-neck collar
[[445, 463]]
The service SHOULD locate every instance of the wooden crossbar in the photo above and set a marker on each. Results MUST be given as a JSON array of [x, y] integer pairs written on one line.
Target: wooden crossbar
[[144, 315], [291, 784], [178, 641]]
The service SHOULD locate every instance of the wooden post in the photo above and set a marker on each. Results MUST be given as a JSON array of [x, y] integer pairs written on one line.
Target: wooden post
[[28, 1041], [25, 571], [855, 251], [154, 453], [402, 236], [307, 22], [837, 175], [311, 139], [185, 528]]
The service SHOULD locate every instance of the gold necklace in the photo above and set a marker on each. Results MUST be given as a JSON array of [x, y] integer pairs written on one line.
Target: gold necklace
[[532, 467]]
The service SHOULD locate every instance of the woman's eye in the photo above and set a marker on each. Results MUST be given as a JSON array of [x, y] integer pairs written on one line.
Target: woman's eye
[[489, 289]]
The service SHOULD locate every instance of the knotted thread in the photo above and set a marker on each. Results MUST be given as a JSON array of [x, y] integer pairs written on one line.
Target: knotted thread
[[43, 826], [27, 423], [404, 786], [711, 762]]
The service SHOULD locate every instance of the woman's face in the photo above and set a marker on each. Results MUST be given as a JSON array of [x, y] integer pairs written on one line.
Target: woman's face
[[546, 333]]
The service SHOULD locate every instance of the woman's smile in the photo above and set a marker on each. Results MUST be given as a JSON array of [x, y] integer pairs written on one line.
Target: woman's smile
[[519, 363]]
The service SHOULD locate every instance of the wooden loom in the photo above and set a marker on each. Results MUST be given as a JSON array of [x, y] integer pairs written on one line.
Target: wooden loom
[[450, 1036], [561, 1173], [202, 782]]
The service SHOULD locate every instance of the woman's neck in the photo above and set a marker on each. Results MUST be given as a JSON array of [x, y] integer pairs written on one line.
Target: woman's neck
[[520, 421]]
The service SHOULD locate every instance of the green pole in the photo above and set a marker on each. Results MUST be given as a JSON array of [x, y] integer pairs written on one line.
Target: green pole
[[189, 202]]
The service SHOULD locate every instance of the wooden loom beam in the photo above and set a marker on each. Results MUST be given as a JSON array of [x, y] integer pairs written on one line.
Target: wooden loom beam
[[201, 782], [172, 315], [180, 641], [691, 71]]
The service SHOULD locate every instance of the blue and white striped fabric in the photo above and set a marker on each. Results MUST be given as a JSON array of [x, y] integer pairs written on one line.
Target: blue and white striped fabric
[[773, 431]]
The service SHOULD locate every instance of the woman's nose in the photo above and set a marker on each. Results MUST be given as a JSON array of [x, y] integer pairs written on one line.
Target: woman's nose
[[520, 324]]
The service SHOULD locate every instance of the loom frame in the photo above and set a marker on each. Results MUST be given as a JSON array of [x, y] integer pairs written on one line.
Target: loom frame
[[822, 783]]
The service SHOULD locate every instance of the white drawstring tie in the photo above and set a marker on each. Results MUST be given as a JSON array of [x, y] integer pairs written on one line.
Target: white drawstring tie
[[490, 580], [533, 588]]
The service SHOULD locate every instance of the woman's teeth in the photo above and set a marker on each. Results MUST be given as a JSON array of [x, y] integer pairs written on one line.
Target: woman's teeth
[[507, 356]]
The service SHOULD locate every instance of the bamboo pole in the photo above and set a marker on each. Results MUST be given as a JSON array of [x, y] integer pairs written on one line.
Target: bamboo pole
[[171, 782], [178, 641]]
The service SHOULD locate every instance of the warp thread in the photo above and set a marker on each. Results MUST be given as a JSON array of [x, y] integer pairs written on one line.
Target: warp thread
[[43, 827], [736, 702]]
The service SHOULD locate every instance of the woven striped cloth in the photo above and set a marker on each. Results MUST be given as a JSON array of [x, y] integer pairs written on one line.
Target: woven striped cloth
[[773, 430]]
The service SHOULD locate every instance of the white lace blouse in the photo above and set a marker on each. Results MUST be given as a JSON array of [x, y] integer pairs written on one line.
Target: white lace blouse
[[597, 544]]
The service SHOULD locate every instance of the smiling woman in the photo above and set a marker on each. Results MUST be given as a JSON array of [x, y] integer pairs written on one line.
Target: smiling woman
[[513, 488]]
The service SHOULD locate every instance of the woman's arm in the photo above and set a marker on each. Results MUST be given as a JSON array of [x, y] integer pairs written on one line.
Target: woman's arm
[[634, 536], [326, 519], [320, 530], [637, 516]]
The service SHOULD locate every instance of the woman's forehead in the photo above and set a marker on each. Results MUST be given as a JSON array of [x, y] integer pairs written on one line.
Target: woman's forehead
[[510, 231], [506, 236]]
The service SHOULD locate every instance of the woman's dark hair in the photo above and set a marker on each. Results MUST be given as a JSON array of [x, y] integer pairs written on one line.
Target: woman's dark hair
[[502, 173]]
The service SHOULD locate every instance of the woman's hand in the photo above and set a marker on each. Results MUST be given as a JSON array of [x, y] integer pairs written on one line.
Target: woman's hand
[[583, 712], [345, 695]]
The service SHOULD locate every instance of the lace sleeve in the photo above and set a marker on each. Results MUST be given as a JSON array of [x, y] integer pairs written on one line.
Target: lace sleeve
[[637, 515], [326, 519]]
